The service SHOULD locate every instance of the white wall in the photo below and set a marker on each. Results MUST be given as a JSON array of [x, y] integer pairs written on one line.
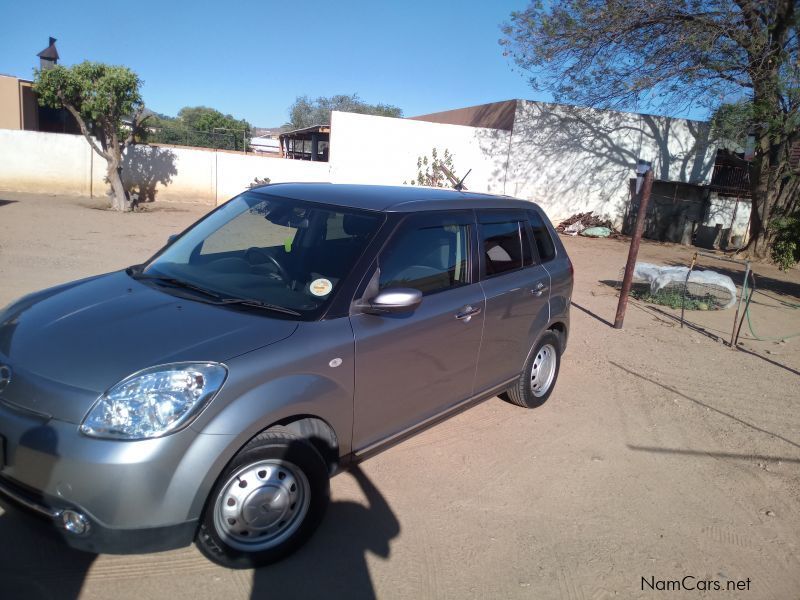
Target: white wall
[[565, 158], [50, 163], [383, 150], [571, 159], [721, 212], [54, 163]]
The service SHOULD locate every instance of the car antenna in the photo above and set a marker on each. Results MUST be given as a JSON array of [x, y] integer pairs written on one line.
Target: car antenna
[[457, 184], [460, 185]]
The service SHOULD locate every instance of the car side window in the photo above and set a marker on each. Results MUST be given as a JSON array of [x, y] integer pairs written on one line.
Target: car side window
[[541, 234], [427, 258], [505, 246]]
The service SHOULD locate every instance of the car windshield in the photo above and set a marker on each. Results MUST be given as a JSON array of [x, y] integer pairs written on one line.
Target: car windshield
[[269, 251]]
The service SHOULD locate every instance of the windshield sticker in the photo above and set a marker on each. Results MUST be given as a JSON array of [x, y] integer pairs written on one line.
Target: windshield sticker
[[320, 287]]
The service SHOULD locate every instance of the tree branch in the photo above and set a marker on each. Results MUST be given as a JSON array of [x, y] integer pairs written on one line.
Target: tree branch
[[136, 124], [85, 131]]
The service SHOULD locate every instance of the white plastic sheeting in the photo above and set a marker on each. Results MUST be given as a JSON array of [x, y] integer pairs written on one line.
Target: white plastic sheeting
[[660, 277]]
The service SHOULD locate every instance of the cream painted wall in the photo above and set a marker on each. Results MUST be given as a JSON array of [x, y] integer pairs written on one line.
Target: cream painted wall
[[383, 150], [50, 163], [570, 159], [565, 158], [54, 163]]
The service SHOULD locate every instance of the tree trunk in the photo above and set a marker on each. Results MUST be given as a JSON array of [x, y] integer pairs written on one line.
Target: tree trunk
[[111, 151], [761, 206], [119, 197]]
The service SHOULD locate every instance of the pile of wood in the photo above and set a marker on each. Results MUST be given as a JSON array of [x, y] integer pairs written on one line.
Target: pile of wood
[[587, 220]]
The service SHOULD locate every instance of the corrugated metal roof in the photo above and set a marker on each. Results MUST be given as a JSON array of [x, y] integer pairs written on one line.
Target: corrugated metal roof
[[312, 129]]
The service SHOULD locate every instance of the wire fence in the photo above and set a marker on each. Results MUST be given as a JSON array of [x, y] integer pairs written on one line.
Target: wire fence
[[721, 297], [180, 136]]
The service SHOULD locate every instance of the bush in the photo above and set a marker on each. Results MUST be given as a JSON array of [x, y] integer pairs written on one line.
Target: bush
[[786, 248]]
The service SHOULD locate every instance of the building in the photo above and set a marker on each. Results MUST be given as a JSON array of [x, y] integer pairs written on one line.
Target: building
[[309, 143], [19, 108], [263, 144]]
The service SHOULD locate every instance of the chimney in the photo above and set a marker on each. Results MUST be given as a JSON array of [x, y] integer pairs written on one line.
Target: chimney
[[48, 57]]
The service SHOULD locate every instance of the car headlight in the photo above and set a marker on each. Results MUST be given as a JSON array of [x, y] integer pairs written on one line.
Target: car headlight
[[154, 402]]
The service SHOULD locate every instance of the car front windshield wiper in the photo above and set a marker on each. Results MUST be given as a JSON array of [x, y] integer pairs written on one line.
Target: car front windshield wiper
[[260, 304], [218, 298], [174, 282]]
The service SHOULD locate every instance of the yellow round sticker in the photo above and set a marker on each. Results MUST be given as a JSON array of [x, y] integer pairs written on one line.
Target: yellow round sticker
[[321, 287]]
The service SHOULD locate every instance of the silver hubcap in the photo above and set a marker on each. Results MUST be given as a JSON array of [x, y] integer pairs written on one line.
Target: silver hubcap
[[543, 370], [261, 505]]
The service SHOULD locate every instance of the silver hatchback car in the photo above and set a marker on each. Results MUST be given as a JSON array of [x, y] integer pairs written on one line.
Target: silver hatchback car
[[209, 393]]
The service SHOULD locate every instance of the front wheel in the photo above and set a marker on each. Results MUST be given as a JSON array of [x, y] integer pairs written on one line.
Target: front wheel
[[267, 503], [539, 374]]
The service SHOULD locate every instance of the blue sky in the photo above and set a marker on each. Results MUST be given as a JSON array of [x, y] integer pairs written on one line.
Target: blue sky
[[253, 58]]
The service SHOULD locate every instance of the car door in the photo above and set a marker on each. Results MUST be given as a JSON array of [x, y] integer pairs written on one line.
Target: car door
[[516, 287], [412, 366]]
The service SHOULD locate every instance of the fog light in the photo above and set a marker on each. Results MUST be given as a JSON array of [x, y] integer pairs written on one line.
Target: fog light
[[74, 522]]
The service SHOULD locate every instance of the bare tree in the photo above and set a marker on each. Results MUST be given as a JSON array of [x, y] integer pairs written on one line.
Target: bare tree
[[677, 55]]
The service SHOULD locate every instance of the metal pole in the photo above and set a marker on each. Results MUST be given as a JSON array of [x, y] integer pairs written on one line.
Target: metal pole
[[685, 286], [636, 240], [739, 306]]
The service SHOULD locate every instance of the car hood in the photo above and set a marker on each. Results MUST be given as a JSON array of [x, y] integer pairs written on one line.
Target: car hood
[[67, 345]]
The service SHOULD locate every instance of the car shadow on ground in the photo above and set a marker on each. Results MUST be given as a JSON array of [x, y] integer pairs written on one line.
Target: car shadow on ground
[[333, 563], [4, 202], [35, 563]]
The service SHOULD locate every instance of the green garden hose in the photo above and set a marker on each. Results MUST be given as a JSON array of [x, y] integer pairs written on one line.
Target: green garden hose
[[747, 316]]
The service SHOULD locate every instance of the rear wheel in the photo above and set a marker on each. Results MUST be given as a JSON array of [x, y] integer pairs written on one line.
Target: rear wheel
[[267, 503], [539, 374]]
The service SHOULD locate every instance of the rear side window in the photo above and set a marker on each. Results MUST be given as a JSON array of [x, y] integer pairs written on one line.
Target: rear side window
[[541, 234], [504, 247], [430, 259]]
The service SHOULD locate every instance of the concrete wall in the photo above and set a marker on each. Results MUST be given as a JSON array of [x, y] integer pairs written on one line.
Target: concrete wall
[[571, 159], [383, 150], [49, 163], [565, 158], [721, 212], [33, 161]]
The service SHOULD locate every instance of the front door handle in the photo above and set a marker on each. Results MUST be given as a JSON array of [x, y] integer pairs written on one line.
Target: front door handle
[[468, 312], [539, 289]]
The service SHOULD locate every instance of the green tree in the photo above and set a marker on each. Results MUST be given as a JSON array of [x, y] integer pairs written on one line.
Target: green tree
[[676, 55], [204, 127], [98, 96], [307, 113], [731, 124]]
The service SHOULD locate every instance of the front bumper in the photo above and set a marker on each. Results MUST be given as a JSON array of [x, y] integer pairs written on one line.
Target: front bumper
[[137, 496], [98, 538]]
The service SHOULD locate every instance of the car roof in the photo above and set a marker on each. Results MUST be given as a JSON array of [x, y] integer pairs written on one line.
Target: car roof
[[384, 198]]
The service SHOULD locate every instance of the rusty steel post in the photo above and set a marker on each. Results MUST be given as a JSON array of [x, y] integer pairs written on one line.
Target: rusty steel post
[[735, 333], [636, 240]]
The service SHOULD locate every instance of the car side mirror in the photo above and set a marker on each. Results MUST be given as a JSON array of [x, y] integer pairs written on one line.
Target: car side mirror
[[392, 301], [172, 238]]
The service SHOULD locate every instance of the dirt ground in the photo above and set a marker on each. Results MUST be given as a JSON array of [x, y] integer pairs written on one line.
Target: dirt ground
[[661, 454]]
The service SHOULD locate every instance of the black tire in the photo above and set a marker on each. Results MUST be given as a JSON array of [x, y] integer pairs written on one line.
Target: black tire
[[522, 393], [280, 448]]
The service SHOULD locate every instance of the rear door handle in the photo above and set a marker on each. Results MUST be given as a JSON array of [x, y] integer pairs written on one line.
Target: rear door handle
[[468, 312], [539, 289]]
